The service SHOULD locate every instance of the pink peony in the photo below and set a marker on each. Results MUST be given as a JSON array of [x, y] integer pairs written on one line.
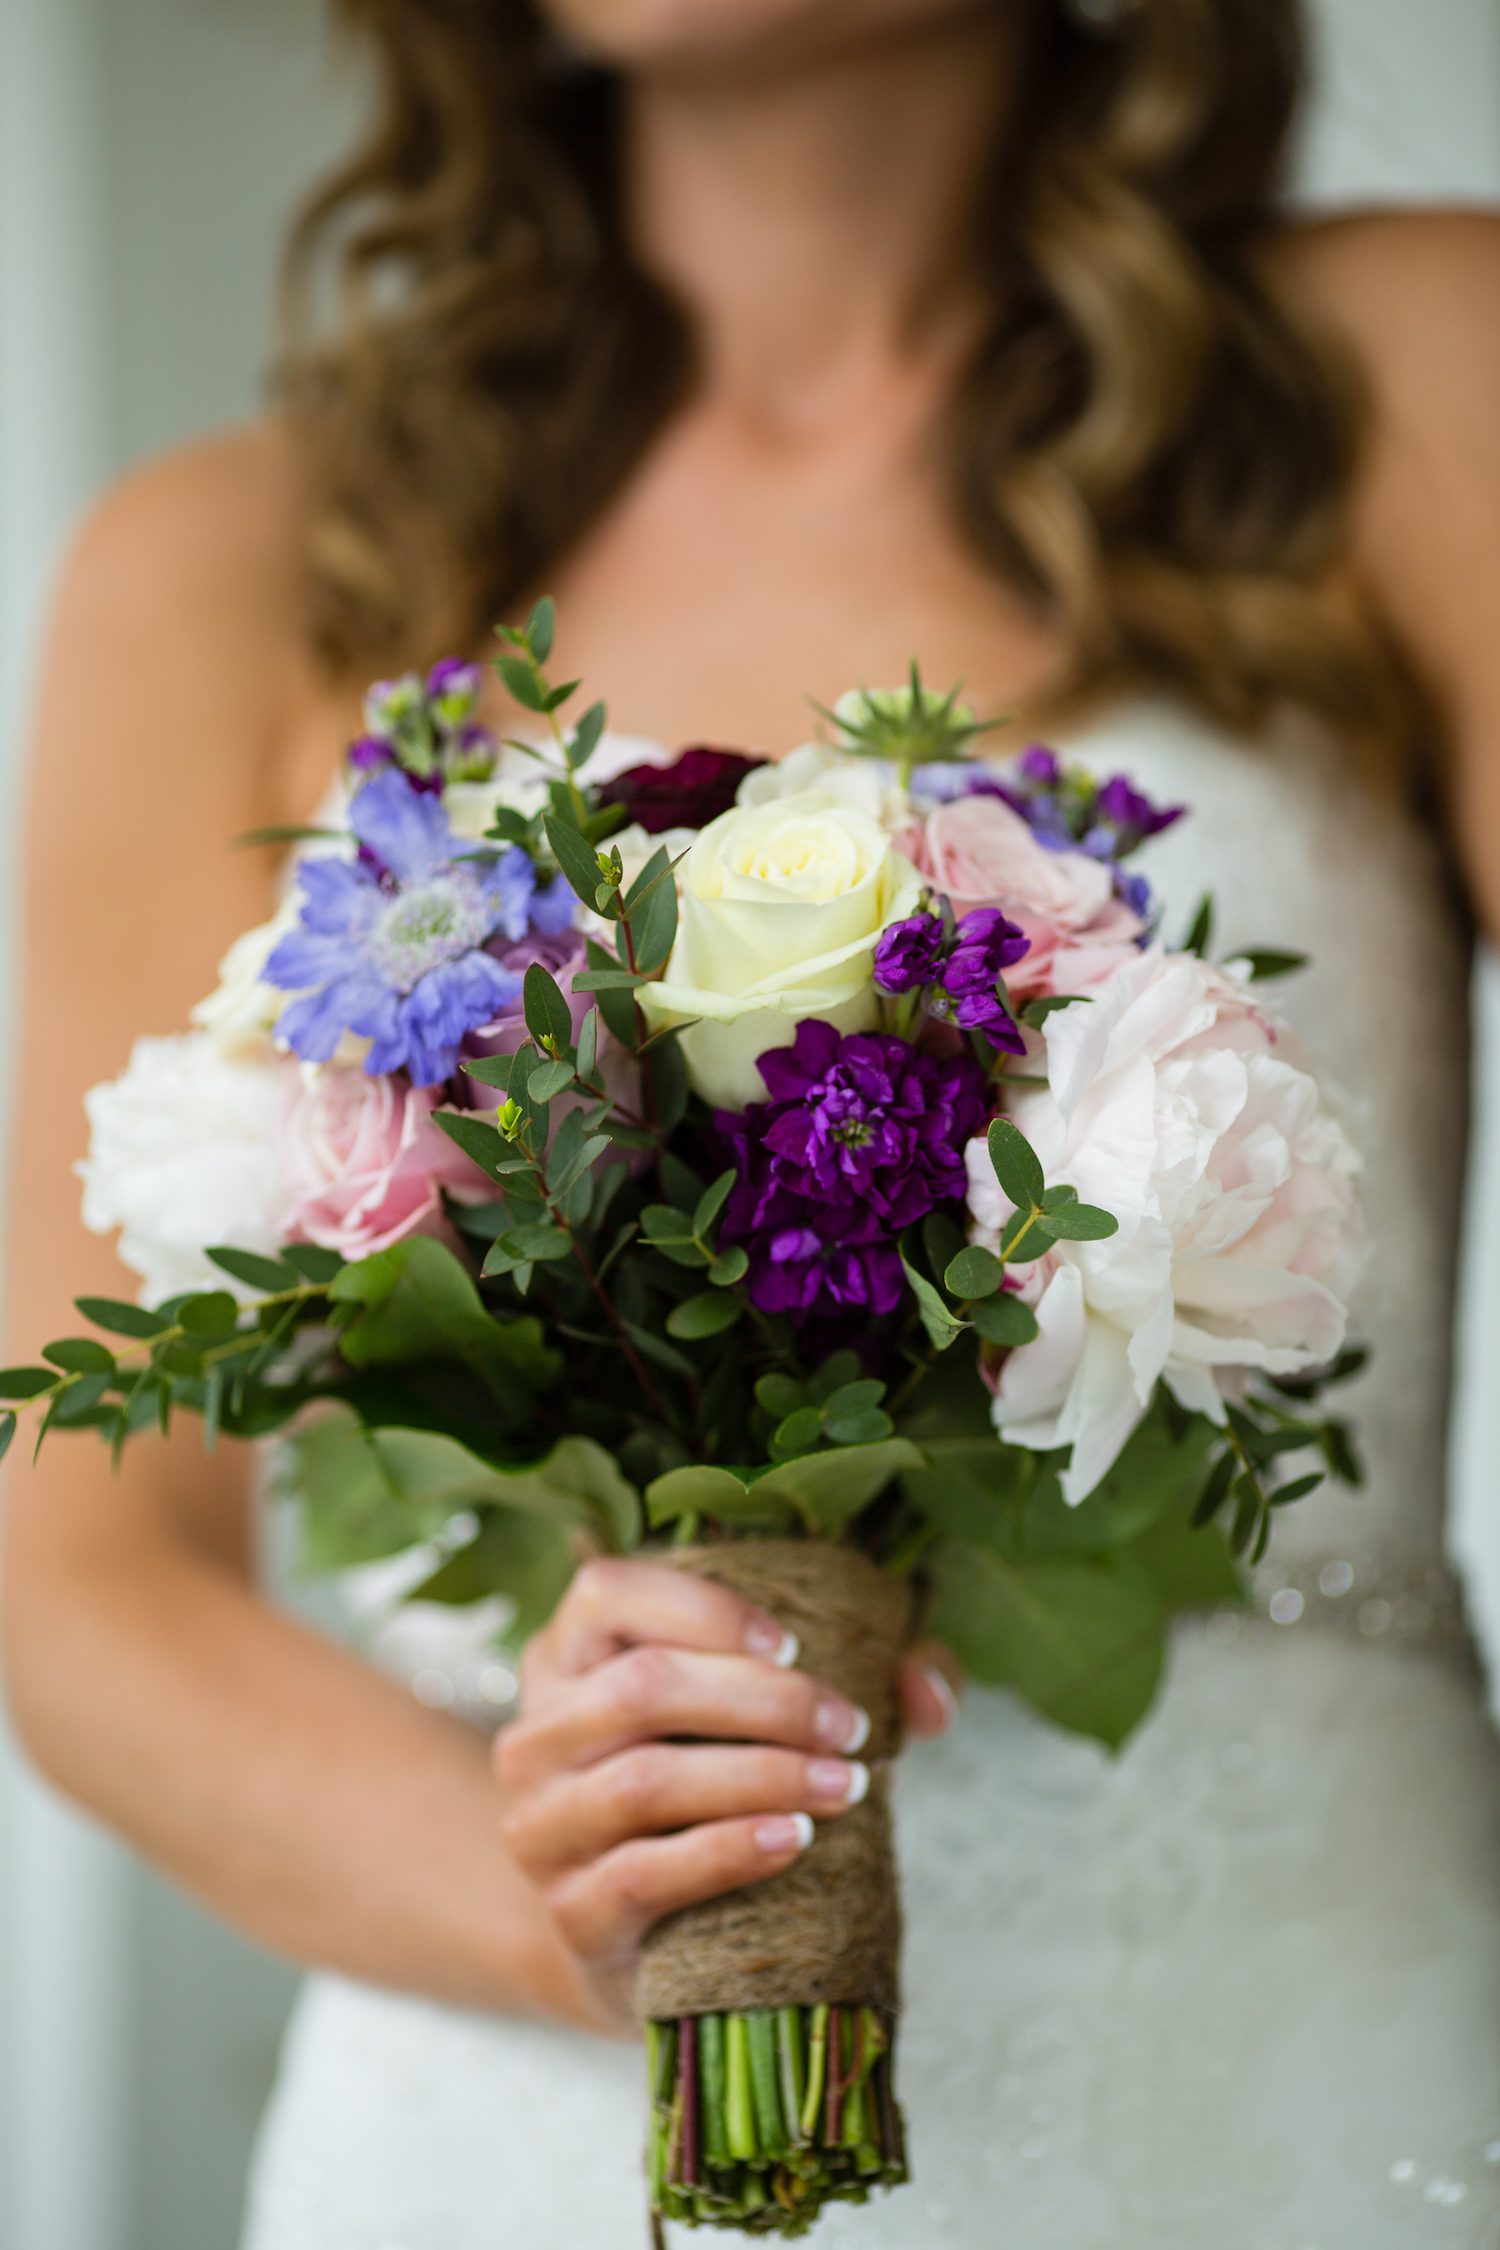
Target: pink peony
[[364, 1164], [1176, 1103], [980, 853]]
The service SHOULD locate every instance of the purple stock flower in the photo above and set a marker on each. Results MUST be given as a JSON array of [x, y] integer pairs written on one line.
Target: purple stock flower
[[958, 971], [1130, 816], [862, 1135], [984, 946], [391, 945], [909, 953], [694, 789]]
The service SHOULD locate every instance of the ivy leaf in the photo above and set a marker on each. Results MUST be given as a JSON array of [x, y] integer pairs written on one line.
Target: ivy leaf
[[828, 1490], [722, 1495], [1017, 1166]]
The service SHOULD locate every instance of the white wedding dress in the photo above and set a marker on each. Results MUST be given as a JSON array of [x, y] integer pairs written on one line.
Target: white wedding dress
[[1237, 1989]]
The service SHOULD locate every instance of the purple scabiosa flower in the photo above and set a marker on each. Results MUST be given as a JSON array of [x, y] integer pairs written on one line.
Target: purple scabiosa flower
[[391, 945], [694, 789], [909, 954], [862, 1135]]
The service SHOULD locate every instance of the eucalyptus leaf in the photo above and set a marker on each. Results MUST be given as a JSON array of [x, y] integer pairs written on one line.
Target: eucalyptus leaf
[[121, 1319], [1016, 1164], [975, 1272], [699, 1317]]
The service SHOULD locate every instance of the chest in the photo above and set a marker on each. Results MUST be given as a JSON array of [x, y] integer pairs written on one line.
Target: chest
[[733, 579]]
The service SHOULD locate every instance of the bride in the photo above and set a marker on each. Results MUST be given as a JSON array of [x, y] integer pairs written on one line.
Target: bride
[[780, 339]]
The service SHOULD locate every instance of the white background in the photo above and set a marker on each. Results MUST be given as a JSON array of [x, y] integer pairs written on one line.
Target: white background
[[148, 152]]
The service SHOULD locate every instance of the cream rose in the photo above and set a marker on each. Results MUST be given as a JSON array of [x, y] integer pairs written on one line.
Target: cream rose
[[781, 906]]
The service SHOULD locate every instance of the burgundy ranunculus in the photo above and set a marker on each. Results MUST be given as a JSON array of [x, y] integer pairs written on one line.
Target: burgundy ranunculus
[[700, 783]]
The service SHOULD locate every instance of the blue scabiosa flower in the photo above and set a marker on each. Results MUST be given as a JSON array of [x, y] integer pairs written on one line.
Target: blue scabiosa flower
[[392, 945]]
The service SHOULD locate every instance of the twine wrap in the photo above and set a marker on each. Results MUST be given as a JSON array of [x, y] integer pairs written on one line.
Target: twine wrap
[[828, 1927]]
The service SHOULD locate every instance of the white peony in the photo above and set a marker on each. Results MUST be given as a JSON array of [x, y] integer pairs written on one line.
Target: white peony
[[781, 907], [1176, 1103], [183, 1152]]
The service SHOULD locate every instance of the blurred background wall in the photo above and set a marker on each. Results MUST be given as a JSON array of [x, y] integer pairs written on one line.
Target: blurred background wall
[[149, 150]]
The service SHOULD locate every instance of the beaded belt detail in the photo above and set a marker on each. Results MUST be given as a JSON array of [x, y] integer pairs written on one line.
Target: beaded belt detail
[[1411, 1601]]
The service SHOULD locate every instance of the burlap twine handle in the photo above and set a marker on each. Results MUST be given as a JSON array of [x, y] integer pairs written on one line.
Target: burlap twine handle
[[829, 1927]]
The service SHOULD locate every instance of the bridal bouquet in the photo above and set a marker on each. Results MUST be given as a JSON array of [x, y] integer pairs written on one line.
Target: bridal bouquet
[[821, 1174]]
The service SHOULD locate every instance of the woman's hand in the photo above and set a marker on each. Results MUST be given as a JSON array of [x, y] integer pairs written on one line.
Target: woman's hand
[[614, 1816]]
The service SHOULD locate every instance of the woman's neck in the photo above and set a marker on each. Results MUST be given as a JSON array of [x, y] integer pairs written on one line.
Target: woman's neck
[[818, 221]]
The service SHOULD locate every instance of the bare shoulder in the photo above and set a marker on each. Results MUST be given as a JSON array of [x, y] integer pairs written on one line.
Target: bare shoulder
[[201, 540], [1416, 294]]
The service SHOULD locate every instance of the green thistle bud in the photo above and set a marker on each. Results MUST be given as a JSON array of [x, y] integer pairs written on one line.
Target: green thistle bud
[[909, 725]]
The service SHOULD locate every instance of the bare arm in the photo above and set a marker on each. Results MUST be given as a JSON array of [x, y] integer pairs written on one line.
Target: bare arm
[[295, 1792], [1419, 296]]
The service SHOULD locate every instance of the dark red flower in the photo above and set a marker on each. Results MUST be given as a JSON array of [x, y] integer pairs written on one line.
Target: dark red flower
[[699, 784]]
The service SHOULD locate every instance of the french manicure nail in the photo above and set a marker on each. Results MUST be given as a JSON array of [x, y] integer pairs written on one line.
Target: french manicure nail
[[941, 1687], [843, 1781], [843, 1726], [766, 1638], [788, 1832]]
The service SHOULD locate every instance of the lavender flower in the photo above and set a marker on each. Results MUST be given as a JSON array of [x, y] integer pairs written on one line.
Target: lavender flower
[[391, 945], [862, 1136]]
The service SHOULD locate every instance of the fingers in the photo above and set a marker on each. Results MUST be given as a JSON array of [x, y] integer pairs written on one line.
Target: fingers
[[613, 1605], [931, 1683], [662, 1786], [604, 1908], [653, 1691]]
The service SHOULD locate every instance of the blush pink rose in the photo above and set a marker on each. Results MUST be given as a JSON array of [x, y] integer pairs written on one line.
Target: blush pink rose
[[365, 1165], [980, 853]]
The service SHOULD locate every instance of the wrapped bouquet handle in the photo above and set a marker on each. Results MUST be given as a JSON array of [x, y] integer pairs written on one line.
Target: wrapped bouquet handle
[[771, 2011]]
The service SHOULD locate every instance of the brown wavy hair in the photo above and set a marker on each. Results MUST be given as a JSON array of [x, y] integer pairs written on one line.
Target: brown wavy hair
[[1146, 445]]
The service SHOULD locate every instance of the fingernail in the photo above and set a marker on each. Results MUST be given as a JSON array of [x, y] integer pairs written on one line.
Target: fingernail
[[788, 1832], [941, 1687], [843, 1726], [766, 1638], [844, 1781]]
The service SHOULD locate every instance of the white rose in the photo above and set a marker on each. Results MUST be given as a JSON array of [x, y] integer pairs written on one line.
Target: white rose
[[1175, 1102], [183, 1153], [781, 907], [866, 785]]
